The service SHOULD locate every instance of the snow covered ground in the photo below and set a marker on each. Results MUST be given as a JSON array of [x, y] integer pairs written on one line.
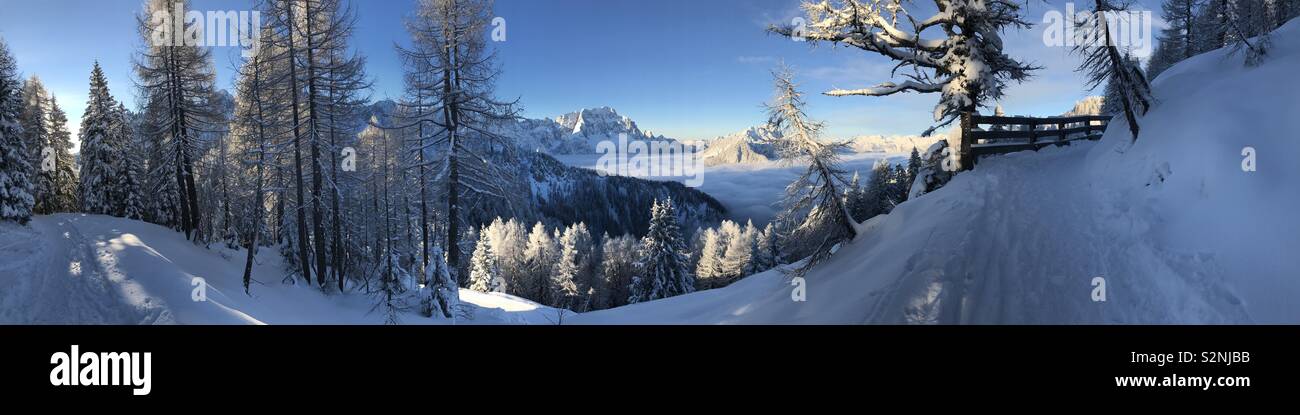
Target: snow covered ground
[[1173, 224], [91, 269], [1175, 227], [1009, 243]]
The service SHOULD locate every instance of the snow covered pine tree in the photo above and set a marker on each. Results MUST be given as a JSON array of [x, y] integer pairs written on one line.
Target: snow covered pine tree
[[485, 274], [663, 272], [818, 191], [100, 154], [708, 269], [16, 199], [36, 138], [1176, 41], [571, 278], [128, 196]]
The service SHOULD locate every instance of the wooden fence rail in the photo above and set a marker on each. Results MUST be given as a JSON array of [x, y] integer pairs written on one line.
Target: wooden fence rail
[[1012, 134]]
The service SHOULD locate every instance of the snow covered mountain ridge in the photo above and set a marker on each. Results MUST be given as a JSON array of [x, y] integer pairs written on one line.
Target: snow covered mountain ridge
[[1088, 106], [755, 145], [751, 146], [894, 144], [577, 132], [600, 122]]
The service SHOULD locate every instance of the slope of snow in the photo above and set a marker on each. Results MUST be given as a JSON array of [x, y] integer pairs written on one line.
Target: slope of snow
[[1174, 226], [1003, 244], [1211, 108], [90, 269]]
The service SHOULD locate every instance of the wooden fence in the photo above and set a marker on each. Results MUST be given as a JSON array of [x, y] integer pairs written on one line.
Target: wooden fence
[[1012, 134]]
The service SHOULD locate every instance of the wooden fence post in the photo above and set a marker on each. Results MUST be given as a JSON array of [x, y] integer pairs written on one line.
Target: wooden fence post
[[967, 159], [1033, 136]]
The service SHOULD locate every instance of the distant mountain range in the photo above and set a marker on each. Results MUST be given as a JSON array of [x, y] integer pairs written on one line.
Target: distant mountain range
[[544, 189], [752, 146], [755, 146], [577, 132], [1088, 106], [893, 144]]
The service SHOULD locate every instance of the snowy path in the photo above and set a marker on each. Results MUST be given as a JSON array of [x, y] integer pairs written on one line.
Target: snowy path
[[74, 286], [81, 287], [89, 269], [1017, 241], [1043, 231]]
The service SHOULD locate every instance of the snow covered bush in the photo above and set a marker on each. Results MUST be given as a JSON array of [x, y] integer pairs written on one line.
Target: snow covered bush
[[440, 294], [932, 174]]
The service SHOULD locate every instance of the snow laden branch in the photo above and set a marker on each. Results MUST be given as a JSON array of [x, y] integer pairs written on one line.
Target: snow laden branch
[[957, 51], [888, 88], [815, 211]]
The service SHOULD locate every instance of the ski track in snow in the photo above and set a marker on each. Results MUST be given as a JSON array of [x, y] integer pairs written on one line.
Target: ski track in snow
[[1036, 243], [79, 286]]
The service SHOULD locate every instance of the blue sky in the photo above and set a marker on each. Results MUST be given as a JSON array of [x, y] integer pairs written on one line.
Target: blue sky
[[682, 68]]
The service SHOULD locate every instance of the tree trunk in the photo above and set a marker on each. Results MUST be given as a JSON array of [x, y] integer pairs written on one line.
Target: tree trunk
[[317, 216], [1120, 74], [453, 174], [304, 257], [424, 199], [258, 199], [334, 174], [173, 99]]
